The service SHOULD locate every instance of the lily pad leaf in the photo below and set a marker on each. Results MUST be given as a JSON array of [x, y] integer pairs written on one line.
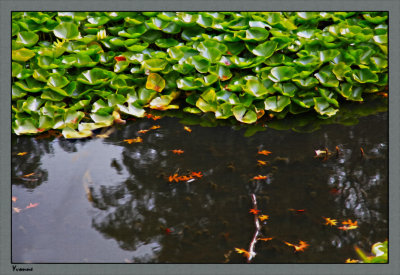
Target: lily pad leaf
[[350, 92], [287, 89], [201, 63], [22, 54], [162, 102], [68, 132], [276, 103], [24, 126], [155, 64], [365, 76], [255, 34], [58, 81], [243, 114], [131, 109], [95, 76], [207, 101], [255, 88], [66, 30], [266, 49], [166, 42], [224, 111], [323, 107], [155, 82], [282, 73], [27, 39]]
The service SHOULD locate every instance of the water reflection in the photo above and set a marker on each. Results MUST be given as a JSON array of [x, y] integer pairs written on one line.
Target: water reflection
[[143, 218]]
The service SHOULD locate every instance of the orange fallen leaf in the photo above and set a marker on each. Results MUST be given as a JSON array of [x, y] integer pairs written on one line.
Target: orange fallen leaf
[[14, 199], [197, 174], [153, 117], [154, 127], [345, 228], [350, 223], [142, 131], [264, 152], [261, 162], [351, 261], [22, 154], [16, 209], [302, 245], [31, 205], [263, 217], [133, 140], [265, 239], [185, 178], [178, 151], [330, 221], [187, 129], [254, 211], [174, 177], [243, 251], [28, 175], [259, 177]]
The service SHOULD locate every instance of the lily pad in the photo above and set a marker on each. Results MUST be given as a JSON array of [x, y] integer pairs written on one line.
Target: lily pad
[[22, 54], [155, 64], [207, 101], [323, 107], [282, 73], [155, 82], [66, 30], [27, 39], [244, 114], [95, 76], [276, 103], [265, 49], [255, 88]]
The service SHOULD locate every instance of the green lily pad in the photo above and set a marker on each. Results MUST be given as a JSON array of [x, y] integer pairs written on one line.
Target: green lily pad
[[201, 63], [57, 81], [323, 107], [30, 85], [155, 82], [253, 34], [17, 92], [121, 66], [365, 76], [27, 39], [282, 73], [276, 103], [68, 132], [350, 92], [224, 111], [24, 126], [265, 49], [155, 64], [243, 114], [132, 109], [188, 83], [166, 42], [133, 32], [326, 77], [16, 69], [162, 103], [22, 54], [207, 101], [95, 76], [286, 89], [255, 88], [66, 30]]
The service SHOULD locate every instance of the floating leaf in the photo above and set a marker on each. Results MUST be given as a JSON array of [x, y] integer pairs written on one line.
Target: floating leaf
[[282, 73], [32, 205], [254, 211], [177, 151], [27, 38], [244, 114], [155, 82], [133, 140], [276, 103], [22, 54], [155, 64], [66, 30], [266, 49], [186, 128]]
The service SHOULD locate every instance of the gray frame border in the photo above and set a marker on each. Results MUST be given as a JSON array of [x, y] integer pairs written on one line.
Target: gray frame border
[[393, 6]]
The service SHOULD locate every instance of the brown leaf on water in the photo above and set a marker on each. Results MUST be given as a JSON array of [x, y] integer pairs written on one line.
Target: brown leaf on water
[[22, 153], [143, 131], [28, 175], [154, 127], [302, 245], [14, 199], [187, 129], [351, 261], [259, 177], [263, 217]]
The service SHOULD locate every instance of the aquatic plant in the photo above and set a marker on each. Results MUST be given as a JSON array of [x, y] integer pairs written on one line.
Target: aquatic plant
[[79, 71]]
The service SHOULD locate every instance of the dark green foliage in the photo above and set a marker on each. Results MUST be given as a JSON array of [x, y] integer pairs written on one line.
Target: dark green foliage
[[73, 70]]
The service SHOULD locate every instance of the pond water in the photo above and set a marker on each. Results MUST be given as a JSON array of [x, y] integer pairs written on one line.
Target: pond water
[[104, 200]]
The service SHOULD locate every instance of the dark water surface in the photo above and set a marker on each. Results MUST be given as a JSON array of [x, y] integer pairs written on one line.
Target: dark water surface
[[104, 200]]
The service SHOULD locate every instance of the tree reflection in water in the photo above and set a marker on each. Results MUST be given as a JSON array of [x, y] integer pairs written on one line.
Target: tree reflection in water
[[204, 220]]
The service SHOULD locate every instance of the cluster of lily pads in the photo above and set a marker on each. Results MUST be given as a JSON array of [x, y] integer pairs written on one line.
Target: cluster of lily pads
[[79, 71]]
